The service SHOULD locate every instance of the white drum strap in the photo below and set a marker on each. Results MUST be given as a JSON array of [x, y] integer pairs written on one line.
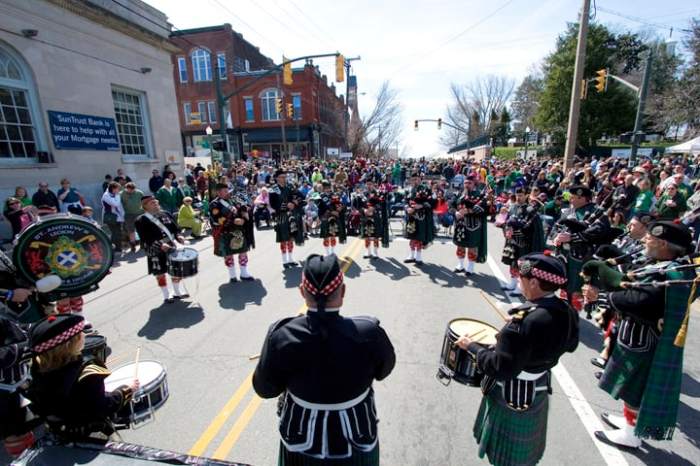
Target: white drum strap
[[160, 225]]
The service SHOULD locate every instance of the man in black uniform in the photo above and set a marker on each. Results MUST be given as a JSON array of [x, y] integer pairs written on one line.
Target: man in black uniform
[[232, 231], [158, 232], [324, 364], [288, 204], [420, 227], [332, 214], [470, 228], [511, 426]]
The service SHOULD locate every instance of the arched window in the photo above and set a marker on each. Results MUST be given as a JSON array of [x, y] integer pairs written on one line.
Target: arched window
[[20, 138], [201, 65], [268, 104]]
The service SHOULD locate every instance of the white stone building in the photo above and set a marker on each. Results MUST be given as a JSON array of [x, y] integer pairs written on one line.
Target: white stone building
[[86, 87]]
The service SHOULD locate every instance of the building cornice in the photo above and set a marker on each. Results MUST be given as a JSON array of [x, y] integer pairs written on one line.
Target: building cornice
[[110, 20]]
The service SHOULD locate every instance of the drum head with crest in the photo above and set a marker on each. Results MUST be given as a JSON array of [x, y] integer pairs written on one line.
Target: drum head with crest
[[67, 245], [478, 331]]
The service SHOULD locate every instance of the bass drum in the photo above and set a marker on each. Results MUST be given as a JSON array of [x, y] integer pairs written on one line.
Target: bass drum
[[67, 245]]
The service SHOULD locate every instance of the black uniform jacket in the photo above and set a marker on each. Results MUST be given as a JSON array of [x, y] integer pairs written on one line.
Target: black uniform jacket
[[538, 333], [151, 235], [323, 358], [74, 395]]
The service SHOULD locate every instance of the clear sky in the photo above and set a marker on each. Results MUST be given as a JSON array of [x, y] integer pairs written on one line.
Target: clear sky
[[420, 46]]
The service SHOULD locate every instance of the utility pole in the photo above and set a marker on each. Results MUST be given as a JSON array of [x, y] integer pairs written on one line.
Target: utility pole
[[637, 132], [282, 116], [347, 95], [574, 108]]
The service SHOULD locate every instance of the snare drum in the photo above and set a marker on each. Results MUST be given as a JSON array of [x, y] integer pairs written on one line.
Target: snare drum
[[455, 363], [152, 393], [95, 347], [183, 263], [15, 376]]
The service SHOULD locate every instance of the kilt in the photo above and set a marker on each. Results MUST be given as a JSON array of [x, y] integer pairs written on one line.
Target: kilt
[[467, 238], [508, 437], [288, 458], [625, 375], [573, 273], [227, 243], [158, 263]]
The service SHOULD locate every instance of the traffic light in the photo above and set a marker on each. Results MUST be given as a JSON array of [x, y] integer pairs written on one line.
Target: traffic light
[[415, 125], [290, 111], [286, 72], [601, 80], [278, 106], [339, 68], [439, 123]]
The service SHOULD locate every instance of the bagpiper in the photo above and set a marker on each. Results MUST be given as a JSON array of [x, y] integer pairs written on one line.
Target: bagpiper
[[374, 225], [332, 214], [233, 231], [288, 204], [524, 234], [470, 235], [420, 227]]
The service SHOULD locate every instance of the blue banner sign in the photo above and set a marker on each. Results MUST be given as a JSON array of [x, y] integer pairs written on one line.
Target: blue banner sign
[[77, 131]]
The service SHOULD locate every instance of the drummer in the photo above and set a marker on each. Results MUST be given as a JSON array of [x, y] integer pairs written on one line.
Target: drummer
[[158, 232], [511, 425], [66, 391]]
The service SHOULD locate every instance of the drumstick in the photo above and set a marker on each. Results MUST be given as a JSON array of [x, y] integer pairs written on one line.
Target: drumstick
[[136, 363], [495, 308]]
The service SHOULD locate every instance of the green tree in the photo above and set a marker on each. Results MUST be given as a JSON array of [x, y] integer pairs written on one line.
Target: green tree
[[608, 113]]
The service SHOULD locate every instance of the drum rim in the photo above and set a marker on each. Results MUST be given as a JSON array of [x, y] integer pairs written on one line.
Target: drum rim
[[59, 218], [148, 387]]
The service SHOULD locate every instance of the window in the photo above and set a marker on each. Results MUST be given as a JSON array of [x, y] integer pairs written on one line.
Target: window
[[182, 67], [202, 108], [221, 63], [187, 108], [268, 100], [132, 122], [201, 65], [20, 138], [296, 104], [249, 111], [212, 112]]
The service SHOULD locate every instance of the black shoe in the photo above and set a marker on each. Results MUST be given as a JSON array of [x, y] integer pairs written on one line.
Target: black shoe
[[182, 296], [468, 274], [598, 362], [598, 374], [293, 264], [366, 256], [459, 271], [233, 280], [285, 265], [169, 301], [409, 261], [419, 263], [247, 279]]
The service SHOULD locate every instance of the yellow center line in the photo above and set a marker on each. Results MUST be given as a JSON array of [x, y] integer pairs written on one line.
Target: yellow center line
[[242, 422], [220, 419]]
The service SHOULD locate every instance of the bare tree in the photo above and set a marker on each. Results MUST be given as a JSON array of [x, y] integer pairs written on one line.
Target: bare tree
[[374, 134], [473, 104], [525, 101]]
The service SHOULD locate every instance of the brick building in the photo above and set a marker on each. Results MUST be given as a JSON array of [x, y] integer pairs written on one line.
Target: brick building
[[254, 128]]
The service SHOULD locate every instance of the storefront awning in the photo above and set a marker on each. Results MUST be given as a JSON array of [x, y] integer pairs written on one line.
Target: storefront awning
[[275, 135]]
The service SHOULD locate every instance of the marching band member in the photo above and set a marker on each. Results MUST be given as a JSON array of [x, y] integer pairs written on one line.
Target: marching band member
[[511, 425], [323, 365], [232, 231], [524, 234], [159, 232], [420, 227], [646, 365], [67, 391], [332, 215], [470, 235], [287, 203], [374, 224]]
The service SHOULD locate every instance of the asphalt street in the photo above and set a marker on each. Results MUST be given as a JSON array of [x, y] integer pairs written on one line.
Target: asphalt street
[[205, 345]]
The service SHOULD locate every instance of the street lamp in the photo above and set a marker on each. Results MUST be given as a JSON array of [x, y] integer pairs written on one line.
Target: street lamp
[[209, 132], [527, 138]]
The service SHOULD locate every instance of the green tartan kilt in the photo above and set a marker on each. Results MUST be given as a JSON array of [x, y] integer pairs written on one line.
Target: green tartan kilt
[[508, 437], [288, 458], [225, 245], [282, 228], [626, 373]]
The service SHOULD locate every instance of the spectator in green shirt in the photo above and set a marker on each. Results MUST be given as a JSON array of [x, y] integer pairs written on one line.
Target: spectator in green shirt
[[131, 200], [170, 198], [645, 198], [671, 204]]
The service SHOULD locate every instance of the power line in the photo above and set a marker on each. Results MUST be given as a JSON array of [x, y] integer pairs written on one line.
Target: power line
[[282, 23], [311, 21], [311, 31], [638, 20], [245, 23]]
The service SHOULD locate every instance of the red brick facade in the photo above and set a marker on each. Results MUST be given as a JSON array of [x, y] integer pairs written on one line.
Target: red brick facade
[[318, 113]]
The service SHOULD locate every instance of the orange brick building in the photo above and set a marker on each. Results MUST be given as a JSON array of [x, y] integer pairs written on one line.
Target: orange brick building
[[254, 128]]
